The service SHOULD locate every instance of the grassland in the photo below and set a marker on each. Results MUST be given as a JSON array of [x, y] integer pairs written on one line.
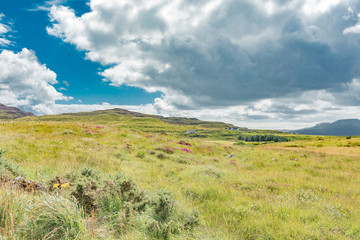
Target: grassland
[[303, 189]]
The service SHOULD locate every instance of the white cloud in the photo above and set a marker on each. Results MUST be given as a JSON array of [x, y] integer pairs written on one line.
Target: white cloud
[[46, 5], [211, 52], [193, 52], [252, 62], [4, 29], [27, 83], [314, 7], [354, 29]]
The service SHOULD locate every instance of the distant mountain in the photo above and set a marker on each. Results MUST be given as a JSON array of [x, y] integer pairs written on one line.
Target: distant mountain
[[345, 127], [12, 112]]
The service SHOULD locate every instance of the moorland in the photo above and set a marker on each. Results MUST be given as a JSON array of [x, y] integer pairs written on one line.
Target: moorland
[[111, 175]]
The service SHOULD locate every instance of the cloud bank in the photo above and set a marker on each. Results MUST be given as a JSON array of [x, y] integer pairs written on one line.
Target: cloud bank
[[217, 52], [256, 60], [251, 62]]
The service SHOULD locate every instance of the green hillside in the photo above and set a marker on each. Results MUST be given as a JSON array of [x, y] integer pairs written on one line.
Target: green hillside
[[119, 114], [157, 124]]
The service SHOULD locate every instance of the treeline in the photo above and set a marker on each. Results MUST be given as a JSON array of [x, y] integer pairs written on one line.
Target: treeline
[[263, 138]]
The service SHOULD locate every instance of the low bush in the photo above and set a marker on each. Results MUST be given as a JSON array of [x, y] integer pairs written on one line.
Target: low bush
[[119, 202], [64, 208], [166, 218]]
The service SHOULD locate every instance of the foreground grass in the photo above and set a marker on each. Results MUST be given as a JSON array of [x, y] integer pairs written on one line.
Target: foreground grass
[[290, 190]]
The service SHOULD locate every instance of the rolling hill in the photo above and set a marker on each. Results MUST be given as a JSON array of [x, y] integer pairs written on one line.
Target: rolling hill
[[171, 120], [344, 127], [12, 112], [149, 123]]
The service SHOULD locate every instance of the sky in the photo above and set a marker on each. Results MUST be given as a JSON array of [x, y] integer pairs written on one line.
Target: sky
[[266, 64]]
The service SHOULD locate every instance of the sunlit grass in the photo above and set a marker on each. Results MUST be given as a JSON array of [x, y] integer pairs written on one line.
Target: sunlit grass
[[306, 189]]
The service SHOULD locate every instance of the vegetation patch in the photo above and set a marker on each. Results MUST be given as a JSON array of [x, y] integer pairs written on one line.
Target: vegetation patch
[[79, 204], [120, 184], [263, 138]]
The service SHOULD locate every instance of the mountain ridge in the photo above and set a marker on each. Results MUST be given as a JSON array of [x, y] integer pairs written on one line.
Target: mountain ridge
[[342, 127]]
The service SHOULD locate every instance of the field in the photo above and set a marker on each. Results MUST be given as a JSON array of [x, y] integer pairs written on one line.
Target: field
[[307, 188]]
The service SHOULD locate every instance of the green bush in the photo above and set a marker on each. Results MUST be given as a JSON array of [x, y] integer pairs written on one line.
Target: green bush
[[263, 138], [87, 184], [118, 201], [165, 218], [140, 154]]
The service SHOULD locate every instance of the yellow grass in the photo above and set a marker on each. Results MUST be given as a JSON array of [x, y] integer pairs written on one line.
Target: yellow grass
[[305, 189]]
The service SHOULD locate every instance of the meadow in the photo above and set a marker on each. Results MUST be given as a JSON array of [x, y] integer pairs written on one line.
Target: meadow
[[215, 186]]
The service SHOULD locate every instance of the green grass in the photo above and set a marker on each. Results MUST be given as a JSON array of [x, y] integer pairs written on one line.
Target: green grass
[[303, 189]]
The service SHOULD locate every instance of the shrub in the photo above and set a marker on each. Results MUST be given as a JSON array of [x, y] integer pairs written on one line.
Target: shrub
[[164, 206], [116, 201], [85, 188], [161, 156], [129, 192], [141, 154], [166, 219], [91, 187]]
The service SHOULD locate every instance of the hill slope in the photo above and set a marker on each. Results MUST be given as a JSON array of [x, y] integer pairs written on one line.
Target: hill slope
[[171, 120], [345, 127], [12, 112], [151, 123]]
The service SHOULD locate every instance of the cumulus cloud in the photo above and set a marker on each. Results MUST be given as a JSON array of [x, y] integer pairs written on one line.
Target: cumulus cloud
[[215, 53], [27, 83]]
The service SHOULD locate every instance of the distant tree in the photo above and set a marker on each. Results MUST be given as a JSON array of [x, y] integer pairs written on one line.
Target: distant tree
[[263, 138]]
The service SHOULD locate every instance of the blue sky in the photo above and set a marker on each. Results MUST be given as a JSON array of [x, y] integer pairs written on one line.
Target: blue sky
[[85, 84], [254, 63]]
